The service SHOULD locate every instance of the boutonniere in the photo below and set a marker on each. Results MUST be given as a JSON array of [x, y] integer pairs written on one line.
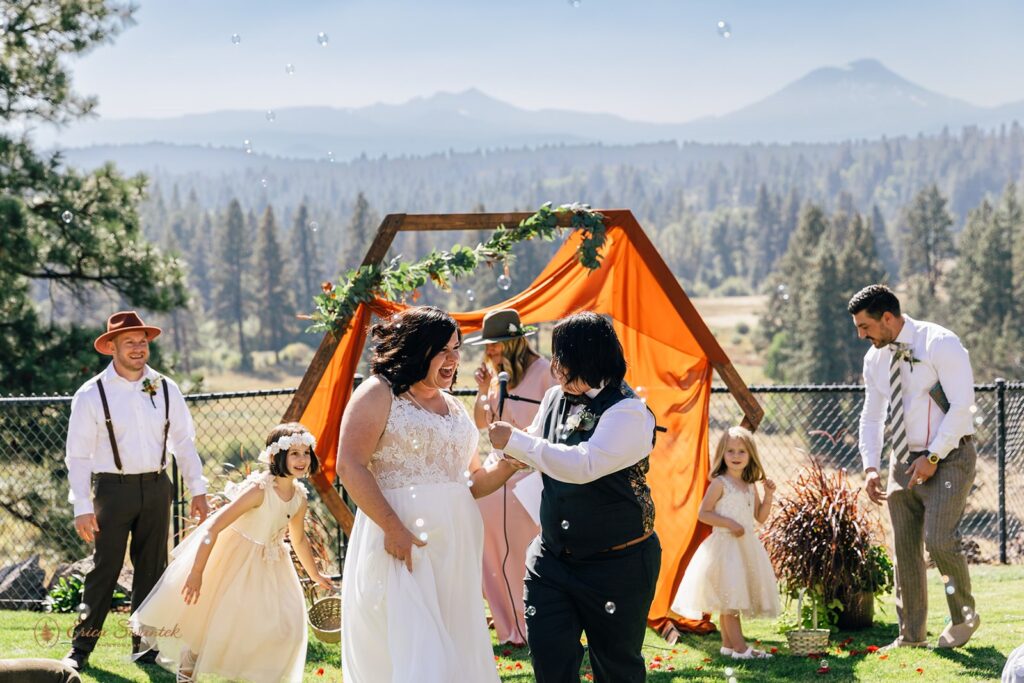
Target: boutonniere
[[149, 387], [903, 353], [582, 421]]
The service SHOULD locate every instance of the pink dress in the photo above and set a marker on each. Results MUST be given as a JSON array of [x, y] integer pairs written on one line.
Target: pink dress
[[502, 510]]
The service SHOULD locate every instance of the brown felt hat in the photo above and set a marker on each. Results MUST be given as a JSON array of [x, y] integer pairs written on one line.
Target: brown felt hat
[[501, 325], [123, 321]]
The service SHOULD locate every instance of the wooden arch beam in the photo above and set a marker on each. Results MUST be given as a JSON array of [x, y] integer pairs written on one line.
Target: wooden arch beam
[[400, 222]]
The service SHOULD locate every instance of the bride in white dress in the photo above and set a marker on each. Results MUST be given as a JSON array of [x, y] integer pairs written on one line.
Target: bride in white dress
[[412, 610]]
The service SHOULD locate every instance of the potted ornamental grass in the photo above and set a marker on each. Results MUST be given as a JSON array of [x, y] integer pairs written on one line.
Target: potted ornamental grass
[[826, 549]]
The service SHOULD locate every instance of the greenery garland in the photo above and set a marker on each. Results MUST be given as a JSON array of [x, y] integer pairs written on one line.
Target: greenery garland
[[336, 305]]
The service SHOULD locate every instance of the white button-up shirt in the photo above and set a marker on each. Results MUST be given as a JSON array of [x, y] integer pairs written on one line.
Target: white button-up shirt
[[138, 428], [942, 358], [621, 439]]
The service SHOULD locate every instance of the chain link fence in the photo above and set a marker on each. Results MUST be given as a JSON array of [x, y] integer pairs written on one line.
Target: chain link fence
[[38, 541]]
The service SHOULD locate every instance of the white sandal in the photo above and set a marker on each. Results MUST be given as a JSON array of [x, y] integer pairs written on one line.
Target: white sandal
[[726, 651], [751, 653]]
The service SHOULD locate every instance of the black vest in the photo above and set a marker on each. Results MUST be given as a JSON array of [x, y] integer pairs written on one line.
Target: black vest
[[583, 519]]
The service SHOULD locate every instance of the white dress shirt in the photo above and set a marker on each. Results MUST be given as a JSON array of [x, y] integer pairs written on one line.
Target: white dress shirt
[[622, 438], [942, 358], [138, 428]]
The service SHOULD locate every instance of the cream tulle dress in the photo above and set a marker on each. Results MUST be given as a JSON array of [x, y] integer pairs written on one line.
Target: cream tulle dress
[[250, 621], [730, 574], [427, 626]]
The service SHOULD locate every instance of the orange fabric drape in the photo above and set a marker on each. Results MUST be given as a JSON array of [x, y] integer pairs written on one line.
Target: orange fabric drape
[[669, 351]]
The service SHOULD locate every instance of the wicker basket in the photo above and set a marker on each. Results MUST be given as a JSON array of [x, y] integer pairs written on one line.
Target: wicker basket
[[807, 641], [325, 619]]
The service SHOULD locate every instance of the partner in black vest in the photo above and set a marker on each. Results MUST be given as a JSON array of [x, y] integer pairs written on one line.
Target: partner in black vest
[[594, 566]]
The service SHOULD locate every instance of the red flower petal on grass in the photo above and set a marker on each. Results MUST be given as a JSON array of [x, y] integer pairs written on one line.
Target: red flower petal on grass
[[707, 660], [320, 671], [872, 648], [506, 652], [589, 677], [774, 650], [519, 665], [883, 656], [698, 668], [657, 658], [823, 670], [920, 670]]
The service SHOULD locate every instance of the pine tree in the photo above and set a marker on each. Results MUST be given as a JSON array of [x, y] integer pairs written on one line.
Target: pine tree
[[276, 311], [883, 245], [982, 307], [927, 239], [358, 233], [820, 329], [767, 227], [307, 273], [231, 295], [785, 286], [77, 232], [1010, 218], [858, 265]]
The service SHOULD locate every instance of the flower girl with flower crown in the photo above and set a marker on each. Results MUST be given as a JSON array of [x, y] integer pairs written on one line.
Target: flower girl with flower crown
[[230, 602]]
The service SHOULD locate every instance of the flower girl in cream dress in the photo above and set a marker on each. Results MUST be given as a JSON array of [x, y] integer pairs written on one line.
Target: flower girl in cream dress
[[229, 602], [730, 573]]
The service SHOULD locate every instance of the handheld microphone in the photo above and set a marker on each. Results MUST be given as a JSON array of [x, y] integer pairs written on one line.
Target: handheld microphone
[[502, 392]]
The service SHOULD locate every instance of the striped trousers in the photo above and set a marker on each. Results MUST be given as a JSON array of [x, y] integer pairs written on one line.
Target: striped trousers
[[927, 517]]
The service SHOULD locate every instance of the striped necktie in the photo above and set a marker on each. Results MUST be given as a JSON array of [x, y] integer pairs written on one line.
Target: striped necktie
[[897, 425]]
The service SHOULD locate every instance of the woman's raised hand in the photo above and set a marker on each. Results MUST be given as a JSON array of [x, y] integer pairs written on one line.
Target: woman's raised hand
[[483, 376], [399, 541]]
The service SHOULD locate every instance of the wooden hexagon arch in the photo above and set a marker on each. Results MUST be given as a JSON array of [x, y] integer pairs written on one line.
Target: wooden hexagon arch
[[670, 350]]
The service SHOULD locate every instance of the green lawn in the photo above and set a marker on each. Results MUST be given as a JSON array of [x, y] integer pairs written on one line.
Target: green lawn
[[694, 658]]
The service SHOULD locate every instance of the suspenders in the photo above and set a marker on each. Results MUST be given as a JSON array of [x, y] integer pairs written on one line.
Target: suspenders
[[110, 426]]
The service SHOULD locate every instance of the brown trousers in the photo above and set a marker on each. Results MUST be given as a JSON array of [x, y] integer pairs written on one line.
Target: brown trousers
[[927, 517], [136, 506]]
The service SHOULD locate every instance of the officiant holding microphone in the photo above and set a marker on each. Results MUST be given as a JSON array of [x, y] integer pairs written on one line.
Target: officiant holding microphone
[[509, 527]]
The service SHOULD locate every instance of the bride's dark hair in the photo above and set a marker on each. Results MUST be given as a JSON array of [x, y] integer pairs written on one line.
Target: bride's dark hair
[[406, 342]]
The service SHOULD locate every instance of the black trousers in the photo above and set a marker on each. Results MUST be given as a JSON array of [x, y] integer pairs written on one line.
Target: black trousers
[[607, 595], [136, 506]]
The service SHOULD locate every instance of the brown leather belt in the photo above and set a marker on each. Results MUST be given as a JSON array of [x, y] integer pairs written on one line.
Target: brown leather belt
[[629, 543]]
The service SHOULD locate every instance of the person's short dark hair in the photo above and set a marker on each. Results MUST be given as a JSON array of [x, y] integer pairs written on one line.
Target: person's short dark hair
[[407, 341], [875, 300], [279, 461], [584, 346]]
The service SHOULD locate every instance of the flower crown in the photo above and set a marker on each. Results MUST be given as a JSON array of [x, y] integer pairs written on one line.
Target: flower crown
[[286, 442]]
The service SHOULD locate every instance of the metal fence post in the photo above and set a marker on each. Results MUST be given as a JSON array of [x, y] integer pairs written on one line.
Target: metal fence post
[[1001, 463]]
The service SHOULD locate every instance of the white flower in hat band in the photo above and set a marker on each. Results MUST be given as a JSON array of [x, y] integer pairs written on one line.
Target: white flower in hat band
[[513, 328], [286, 442]]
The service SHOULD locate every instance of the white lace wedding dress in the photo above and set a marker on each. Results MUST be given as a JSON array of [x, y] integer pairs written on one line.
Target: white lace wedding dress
[[427, 626]]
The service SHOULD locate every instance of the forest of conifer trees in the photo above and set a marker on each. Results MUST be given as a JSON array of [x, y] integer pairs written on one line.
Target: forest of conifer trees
[[938, 217]]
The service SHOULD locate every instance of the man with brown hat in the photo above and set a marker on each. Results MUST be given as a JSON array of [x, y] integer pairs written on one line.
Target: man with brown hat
[[123, 422]]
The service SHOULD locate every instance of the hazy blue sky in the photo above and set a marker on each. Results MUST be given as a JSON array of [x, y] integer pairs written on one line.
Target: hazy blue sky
[[658, 60]]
